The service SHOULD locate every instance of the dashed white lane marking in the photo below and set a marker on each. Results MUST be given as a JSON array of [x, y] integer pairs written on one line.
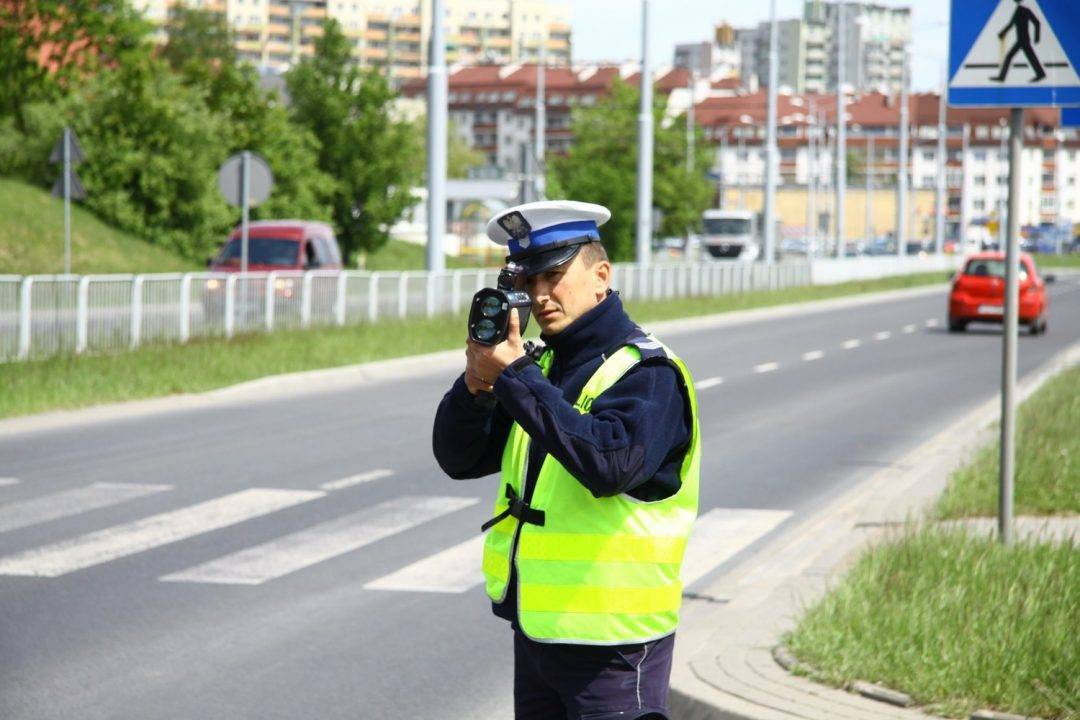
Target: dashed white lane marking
[[708, 383], [883, 335], [721, 533], [8, 481], [289, 553], [813, 355], [365, 477], [454, 570], [852, 344], [766, 367], [151, 532], [71, 502], [932, 322], [908, 329]]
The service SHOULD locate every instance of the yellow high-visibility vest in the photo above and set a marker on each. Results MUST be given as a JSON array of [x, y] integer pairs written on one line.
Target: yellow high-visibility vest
[[597, 571]]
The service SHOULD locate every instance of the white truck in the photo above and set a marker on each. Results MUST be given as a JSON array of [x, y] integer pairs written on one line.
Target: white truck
[[730, 235]]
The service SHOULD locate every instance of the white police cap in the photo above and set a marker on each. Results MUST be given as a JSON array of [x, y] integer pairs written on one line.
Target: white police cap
[[542, 235]]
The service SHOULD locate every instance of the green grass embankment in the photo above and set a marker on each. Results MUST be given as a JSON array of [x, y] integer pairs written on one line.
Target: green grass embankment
[[32, 239], [72, 382], [957, 620]]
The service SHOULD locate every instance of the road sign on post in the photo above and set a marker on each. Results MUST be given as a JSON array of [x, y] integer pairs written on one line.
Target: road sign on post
[[68, 186], [245, 180], [1014, 54]]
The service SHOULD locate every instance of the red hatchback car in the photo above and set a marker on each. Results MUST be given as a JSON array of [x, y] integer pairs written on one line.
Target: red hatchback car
[[978, 293]]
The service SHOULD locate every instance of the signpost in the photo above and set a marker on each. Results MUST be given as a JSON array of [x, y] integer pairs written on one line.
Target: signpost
[[1014, 54], [69, 153], [246, 181]]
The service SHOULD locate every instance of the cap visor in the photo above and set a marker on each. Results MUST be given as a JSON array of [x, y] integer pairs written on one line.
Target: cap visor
[[542, 262]]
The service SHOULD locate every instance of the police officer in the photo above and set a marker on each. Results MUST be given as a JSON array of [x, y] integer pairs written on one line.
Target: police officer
[[597, 441]]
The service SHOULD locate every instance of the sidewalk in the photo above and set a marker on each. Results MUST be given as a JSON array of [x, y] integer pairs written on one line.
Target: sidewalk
[[724, 668]]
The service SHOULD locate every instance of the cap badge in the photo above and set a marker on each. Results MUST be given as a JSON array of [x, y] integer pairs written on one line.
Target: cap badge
[[516, 226]]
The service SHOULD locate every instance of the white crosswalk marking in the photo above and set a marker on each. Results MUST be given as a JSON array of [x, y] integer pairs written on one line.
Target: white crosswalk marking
[[708, 383], [8, 481], [357, 479], [289, 553], [454, 570], [721, 533], [151, 532], [71, 502]]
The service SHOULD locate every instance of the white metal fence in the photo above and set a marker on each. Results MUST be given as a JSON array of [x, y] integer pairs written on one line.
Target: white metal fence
[[44, 315]]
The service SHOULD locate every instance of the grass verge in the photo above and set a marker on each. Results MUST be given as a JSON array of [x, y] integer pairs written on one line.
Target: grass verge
[[71, 382], [958, 622], [1058, 261], [32, 239], [1047, 477], [961, 622]]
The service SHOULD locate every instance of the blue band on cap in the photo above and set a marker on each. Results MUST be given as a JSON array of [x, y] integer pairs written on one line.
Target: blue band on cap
[[555, 233]]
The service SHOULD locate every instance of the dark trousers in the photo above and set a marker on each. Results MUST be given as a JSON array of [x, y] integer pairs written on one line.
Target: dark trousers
[[555, 681]]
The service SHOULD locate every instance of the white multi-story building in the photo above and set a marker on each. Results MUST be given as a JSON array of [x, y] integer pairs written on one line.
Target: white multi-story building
[[391, 34]]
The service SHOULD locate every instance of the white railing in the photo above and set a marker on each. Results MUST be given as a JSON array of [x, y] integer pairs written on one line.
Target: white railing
[[44, 315]]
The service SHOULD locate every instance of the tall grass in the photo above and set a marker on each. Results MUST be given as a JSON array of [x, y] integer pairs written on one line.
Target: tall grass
[[957, 621]]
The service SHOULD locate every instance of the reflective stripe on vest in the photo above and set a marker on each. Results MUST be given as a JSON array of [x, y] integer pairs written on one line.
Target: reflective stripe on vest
[[602, 571]]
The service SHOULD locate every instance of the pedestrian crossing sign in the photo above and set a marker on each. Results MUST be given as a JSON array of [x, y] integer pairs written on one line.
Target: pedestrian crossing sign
[[1014, 53], [1070, 117]]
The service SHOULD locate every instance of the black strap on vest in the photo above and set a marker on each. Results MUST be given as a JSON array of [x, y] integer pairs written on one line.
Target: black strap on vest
[[519, 509]]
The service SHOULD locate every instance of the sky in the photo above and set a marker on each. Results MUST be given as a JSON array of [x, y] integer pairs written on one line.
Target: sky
[[611, 29]]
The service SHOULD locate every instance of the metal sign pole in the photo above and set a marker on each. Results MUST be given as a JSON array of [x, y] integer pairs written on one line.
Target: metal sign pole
[[67, 201], [869, 189], [942, 151], [902, 170], [1008, 361], [245, 199]]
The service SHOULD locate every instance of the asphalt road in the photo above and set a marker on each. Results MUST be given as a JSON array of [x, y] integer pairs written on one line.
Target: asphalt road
[[256, 560]]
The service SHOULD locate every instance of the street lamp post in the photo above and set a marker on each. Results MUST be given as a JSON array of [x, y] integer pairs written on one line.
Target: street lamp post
[[942, 150], [645, 148], [436, 141], [841, 130], [902, 159], [770, 140], [541, 121]]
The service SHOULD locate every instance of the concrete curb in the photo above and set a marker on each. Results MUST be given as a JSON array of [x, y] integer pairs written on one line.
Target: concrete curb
[[724, 668], [276, 387]]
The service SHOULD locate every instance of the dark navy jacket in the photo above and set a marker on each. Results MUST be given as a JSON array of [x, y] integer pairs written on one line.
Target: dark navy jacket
[[632, 440]]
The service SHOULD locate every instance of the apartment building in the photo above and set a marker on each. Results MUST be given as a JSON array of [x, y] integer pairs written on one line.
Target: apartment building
[[493, 107], [391, 34], [875, 37], [976, 157]]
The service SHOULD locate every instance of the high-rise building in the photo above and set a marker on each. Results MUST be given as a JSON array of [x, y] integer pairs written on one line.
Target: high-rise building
[[875, 37], [716, 58], [390, 34]]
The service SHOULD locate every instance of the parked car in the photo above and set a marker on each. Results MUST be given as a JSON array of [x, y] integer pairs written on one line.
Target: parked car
[[281, 245], [978, 293], [286, 246]]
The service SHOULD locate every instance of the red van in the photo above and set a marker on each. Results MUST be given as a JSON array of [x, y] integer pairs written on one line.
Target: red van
[[281, 245]]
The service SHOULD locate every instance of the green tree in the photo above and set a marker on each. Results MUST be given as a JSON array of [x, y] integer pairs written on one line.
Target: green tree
[[367, 150], [601, 167], [200, 50], [460, 156], [47, 47]]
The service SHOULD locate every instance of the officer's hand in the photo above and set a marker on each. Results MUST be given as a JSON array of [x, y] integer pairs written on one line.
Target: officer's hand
[[485, 363]]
